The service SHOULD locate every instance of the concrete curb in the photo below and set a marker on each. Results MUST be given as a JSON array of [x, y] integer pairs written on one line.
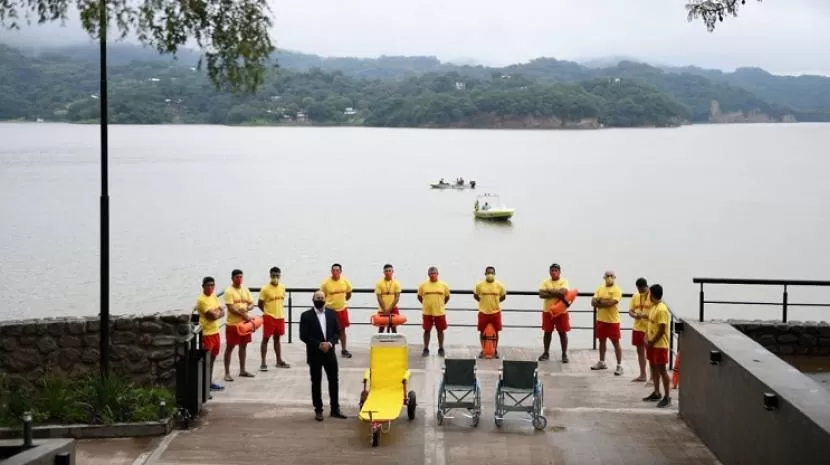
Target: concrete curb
[[81, 431]]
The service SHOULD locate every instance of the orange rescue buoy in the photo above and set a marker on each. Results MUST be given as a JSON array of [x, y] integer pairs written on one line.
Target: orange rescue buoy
[[382, 321], [675, 375], [248, 327], [561, 307], [489, 338]]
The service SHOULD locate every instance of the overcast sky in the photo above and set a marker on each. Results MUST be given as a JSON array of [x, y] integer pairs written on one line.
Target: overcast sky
[[782, 36]]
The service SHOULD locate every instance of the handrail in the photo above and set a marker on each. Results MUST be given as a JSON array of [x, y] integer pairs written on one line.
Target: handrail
[[307, 290], [784, 303]]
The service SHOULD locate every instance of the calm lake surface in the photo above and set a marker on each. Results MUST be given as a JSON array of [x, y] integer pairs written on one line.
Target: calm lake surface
[[190, 201]]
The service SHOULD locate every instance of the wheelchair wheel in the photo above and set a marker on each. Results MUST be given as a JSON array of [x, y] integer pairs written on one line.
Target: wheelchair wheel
[[476, 418], [439, 417], [499, 422], [411, 404], [540, 422]]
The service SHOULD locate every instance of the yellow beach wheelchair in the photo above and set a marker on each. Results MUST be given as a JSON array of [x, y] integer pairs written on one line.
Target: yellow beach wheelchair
[[385, 384]]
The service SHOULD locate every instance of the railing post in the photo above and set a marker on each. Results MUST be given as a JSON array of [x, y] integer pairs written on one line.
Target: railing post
[[290, 316], [701, 302], [594, 327], [784, 313], [671, 341]]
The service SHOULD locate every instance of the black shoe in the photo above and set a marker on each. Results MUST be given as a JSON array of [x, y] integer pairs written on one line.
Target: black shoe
[[481, 354], [440, 352], [318, 416], [564, 358], [544, 356], [652, 397], [425, 353], [664, 402], [338, 414], [496, 355], [345, 354]]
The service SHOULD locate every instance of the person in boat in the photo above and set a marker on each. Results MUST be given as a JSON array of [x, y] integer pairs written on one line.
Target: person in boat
[[441, 181], [553, 290], [473, 184], [460, 181], [388, 291], [489, 294]]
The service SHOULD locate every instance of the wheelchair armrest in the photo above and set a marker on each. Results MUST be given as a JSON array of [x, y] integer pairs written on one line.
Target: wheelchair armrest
[[367, 374], [406, 376]]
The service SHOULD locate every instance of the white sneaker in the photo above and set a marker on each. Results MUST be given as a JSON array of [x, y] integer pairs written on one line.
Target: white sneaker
[[599, 366], [618, 371]]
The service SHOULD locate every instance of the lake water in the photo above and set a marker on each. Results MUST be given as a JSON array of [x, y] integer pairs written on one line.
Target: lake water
[[190, 201]]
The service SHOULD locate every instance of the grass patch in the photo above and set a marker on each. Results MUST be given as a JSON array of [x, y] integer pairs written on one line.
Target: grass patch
[[56, 399]]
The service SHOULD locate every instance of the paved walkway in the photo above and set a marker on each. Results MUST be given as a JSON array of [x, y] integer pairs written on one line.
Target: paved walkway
[[593, 418]]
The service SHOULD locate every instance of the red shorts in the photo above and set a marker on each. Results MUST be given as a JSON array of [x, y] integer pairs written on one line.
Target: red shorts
[[272, 326], [233, 338], [638, 338], [657, 356], [211, 344], [560, 323], [489, 318], [440, 322], [343, 318], [608, 330]]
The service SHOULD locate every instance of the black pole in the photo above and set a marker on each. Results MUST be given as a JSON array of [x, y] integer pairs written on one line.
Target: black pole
[[105, 199]]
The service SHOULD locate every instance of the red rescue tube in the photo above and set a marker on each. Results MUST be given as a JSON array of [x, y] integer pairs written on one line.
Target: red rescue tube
[[248, 327], [381, 321], [561, 307], [489, 337]]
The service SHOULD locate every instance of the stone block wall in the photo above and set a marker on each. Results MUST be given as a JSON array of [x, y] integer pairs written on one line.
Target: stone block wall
[[143, 346], [791, 338]]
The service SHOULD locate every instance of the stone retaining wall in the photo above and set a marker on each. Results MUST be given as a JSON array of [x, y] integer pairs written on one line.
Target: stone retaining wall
[[143, 346], [791, 338]]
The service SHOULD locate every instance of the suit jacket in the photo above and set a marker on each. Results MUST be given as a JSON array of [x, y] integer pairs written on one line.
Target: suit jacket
[[312, 335]]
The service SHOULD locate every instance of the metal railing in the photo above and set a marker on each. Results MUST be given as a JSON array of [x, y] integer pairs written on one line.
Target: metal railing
[[784, 303], [290, 321]]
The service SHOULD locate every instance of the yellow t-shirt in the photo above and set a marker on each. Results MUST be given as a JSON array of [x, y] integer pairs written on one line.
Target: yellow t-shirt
[[240, 299], [658, 315], [489, 295], [203, 304], [387, 290], [609, 314], [640, 304], [273, 298], [434, 294], [336, 293], [550, 284]]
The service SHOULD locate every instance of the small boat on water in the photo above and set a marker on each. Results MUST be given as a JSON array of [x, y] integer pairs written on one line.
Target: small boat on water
[[490, 207], [459, 184]]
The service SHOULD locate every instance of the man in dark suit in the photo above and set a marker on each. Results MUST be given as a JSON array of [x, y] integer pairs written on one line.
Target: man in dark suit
[[319, 331]]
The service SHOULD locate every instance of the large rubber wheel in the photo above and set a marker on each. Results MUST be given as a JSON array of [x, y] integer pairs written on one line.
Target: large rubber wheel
[[540, 422], [411, 405], [375, 437]]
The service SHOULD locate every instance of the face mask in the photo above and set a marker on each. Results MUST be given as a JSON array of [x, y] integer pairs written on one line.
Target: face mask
[[237, 281], [335, 274], [387, 274], [433, 277], [609, 281], [490, 277], [275, 281], [554, 275], [318, 304], [208, 290]]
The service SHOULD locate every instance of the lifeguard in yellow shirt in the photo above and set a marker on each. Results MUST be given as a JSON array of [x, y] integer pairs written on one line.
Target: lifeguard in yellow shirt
[[606, 300], [338, 292], [388, 292], [490, 294], [552, 291], [272, 303], [657, 346], [210, 311], [434, 295], [240, 302], [639, 308]]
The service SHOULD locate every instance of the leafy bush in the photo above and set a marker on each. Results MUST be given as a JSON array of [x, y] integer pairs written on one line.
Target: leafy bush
[[57, 399]]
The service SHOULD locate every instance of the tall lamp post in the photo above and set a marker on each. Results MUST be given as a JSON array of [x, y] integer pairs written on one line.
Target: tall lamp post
[[105, 199]]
